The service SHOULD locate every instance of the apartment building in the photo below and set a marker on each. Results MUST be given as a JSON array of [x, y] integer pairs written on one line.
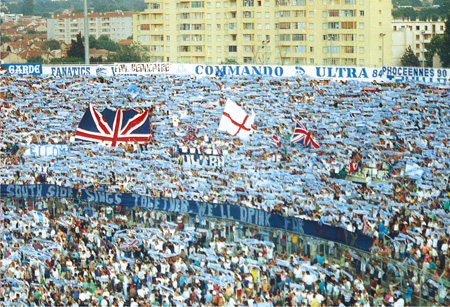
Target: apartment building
[[116, 25], [414, 33], [281, 32]]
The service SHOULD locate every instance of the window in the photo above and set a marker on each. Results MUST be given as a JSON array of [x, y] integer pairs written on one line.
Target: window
[[249, 26], [248, 37], [248, 3], [361, 50], [299, 13], [248, 14], [299, 37], [284, 37], [218, 4], [301, 49], [197, 4], [248, 48], [248, 60], [283, 25], [285, 14], [299, 25], [348, 25], [349, 49], [232, 48], [348, 37], [219, 38], [219, 49], [311, 26], [334, 25], [361, 38], [361, 25], [361, 13], [348, 13], [333, 13], [332, 49], [145, 27], [331, 37]]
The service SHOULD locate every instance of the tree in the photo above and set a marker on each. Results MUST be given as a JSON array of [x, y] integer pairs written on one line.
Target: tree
[[128, 54], [27, 7], [104, 42], [52, 44], [432, 48], [35, 59], [409, 59], [76, 48], [444, 50], [230, 61], [5, 39]]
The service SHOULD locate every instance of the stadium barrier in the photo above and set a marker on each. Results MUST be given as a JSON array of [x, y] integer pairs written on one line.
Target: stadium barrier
[[382, 74]]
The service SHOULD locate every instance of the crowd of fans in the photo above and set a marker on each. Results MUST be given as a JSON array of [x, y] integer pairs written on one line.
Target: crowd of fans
[[382, 166]]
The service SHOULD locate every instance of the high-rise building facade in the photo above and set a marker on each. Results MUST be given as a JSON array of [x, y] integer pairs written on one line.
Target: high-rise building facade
[[116, 25], [281, 32], [415, 34]]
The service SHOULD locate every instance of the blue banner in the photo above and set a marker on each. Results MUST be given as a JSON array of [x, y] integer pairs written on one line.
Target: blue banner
[[220, 211], [31, 191], [24, 69]]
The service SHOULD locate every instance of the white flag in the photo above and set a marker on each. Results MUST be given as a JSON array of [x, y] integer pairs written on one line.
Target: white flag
[[236, 121]]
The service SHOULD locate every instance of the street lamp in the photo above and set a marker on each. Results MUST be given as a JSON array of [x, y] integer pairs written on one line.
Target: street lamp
[[382, 35], [86, 34], [423, 49], [264, 45]]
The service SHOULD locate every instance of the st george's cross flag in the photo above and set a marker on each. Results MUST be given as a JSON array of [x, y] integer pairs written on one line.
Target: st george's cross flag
[[303, 136], [236, 121], [111, 128]]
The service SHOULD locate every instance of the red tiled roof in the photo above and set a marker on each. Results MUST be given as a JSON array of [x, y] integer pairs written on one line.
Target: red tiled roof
[[125, 42]]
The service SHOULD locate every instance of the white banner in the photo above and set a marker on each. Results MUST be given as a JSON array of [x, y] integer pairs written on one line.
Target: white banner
[[384, 74], [46, 150], [142, 68]]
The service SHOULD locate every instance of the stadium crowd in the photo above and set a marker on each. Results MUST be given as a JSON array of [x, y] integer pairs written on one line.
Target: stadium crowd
[[382, 166]]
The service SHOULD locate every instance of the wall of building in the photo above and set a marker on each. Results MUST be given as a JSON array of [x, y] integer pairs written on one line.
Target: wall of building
[[288, 32], [416, 34], [117, 26]]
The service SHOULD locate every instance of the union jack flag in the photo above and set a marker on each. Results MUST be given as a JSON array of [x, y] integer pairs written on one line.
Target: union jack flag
[[112, 128], [275, 141], [303, 137]]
